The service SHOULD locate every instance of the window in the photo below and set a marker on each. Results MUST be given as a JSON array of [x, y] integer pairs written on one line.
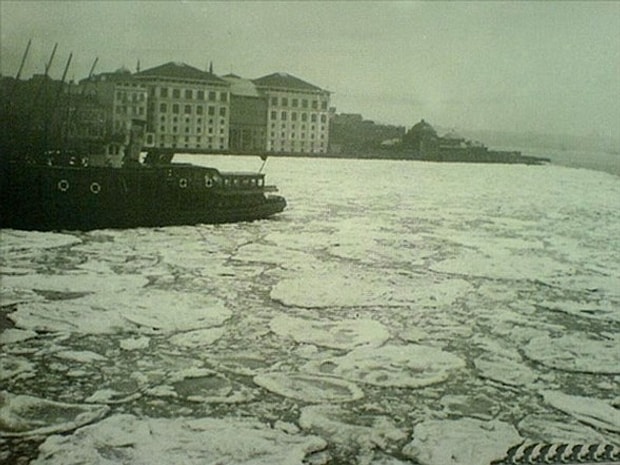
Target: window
[[163, 92], [224, 97], [295, 102], [284, 102], [211, 110], [324, 105], [188, 109], [222, 111], [323, 118], [313, 117], [274, 100], [283, 116], [294, 116], [189, 94], [176, 93], [174, 129], [162, 129], [212, 95], [274, 114], [163, 119], [315, 104], [163, 107], [304, 103], [199, 109], [304, 117], [175, 108], [200, 95]]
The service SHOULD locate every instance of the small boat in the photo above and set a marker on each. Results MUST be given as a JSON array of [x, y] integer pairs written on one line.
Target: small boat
[[61, 191]]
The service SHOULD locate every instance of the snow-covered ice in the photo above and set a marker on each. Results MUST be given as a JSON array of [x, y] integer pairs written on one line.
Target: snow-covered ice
[[395, 312]]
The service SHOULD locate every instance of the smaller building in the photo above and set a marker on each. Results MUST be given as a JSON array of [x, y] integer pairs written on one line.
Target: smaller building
[[120, 100], [350, 133], [248, 116]]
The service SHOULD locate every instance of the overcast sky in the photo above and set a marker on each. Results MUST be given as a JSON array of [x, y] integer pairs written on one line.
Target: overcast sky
[[515, 66]]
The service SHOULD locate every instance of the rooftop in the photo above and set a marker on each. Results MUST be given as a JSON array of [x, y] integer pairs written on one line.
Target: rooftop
[[178, 70], [285, 81]]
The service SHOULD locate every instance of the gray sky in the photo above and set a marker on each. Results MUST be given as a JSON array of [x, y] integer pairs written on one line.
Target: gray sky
[[513, 66]]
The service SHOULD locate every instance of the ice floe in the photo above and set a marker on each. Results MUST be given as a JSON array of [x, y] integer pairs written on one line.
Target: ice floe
[[309, 388], [576, 352], [169, 311], [75, 282], [15, 367], [595, 412], [350, 287], [198, 337], [551, 429], [22, 415], [505, 371], [410, 365], [128, 439], [12, 335], [361, 433], [14, 241], [465, 441], [338, 334]]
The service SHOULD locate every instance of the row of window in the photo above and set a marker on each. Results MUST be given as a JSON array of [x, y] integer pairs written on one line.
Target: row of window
[[304, 116], [191, 109], [303, 127], [125, 110], [175, 129], [191, 94], [292, 135], [188, 120], [295, 103], [124, 97]]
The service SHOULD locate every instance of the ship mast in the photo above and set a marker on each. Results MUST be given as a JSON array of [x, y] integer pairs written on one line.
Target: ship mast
[[50, 117]]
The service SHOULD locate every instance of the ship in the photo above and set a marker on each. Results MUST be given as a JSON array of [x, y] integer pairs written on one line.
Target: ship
[[46, 194], [48, 184]]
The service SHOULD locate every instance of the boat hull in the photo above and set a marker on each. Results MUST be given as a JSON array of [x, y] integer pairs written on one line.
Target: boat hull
[[39, 197]]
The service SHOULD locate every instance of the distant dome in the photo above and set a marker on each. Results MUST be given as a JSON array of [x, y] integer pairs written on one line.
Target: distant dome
[[423, 128]]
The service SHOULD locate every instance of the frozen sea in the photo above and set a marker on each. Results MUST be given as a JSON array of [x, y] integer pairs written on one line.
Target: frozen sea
[[396, 313]]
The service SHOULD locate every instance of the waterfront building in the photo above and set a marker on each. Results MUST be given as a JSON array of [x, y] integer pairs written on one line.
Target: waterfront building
[[297, 114], [350, 133], [119, 99], [248, 116], [188, 108]]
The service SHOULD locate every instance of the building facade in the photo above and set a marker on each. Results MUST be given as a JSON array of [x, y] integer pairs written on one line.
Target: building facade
[[187, 108], [122, 102], [297, 114], [248, 117]]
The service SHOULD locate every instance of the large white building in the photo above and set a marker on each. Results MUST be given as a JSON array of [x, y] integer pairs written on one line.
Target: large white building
[[187, 108], [297, 114]]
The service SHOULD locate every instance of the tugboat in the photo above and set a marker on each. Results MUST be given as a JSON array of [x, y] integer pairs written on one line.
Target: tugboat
[[78, 188], [61, 190]]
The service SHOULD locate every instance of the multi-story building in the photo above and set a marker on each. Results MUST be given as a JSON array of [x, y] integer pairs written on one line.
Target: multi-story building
[[248, 116], [297, 114], [187, 108], [121, 99]]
